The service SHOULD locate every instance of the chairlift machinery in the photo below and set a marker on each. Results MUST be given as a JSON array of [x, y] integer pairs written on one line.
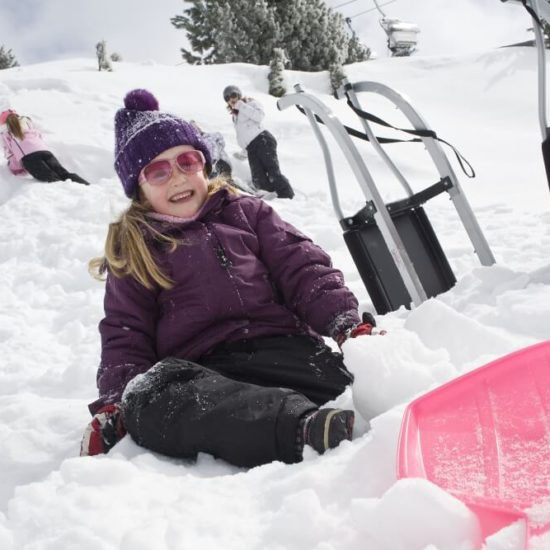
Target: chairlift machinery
[[402, 37]]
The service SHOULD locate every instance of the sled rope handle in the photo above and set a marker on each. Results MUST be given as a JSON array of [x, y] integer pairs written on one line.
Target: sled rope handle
[[462, 161]]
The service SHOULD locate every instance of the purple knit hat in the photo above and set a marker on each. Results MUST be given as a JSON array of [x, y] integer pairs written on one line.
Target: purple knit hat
[[142, 132]]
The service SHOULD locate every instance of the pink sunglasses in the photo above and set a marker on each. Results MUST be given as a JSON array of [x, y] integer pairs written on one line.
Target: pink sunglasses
[[160, 171]]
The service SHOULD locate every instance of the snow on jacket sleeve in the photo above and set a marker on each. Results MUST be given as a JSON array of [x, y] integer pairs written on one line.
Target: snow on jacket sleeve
[[303, 273], [6, 145], [251, 109], [14, 164], [128, 335]]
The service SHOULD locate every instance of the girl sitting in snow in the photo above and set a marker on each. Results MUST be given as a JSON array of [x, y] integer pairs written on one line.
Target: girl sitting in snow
[[26, 151], [214, 307]]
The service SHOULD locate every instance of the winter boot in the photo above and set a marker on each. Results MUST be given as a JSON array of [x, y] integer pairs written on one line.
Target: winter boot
[[327, 428], [284, 190]]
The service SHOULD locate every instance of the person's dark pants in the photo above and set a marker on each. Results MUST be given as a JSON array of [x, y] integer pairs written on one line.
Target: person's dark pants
[[43, 166], [264, 166], [242, 403], [222, 168]]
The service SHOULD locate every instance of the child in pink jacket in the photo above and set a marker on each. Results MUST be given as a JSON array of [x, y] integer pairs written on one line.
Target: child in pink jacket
[[26, 151]]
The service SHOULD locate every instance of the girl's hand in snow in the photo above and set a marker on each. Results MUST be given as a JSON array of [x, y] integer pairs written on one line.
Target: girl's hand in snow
[[366, 328], [103, 432]]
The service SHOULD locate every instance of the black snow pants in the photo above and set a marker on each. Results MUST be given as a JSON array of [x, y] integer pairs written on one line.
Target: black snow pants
[[242, 403], [264, 166], [222, 168], [44, 166]]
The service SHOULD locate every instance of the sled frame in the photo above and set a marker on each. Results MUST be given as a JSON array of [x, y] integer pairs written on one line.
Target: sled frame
[[375, 207], [434, 149], [313, 107]]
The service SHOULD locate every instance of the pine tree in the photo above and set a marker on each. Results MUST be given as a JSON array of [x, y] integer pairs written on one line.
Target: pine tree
[[249, 34], [357, 51], [277, 85], [7, 59], [201, 23], [316, 38], [224, 31], [336, 75]]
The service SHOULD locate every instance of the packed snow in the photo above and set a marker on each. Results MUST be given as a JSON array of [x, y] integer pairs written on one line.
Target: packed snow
[[349, 499]]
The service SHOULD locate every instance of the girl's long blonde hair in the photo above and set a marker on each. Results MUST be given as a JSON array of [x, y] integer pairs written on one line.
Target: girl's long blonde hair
[[15, 127], [126, 252]]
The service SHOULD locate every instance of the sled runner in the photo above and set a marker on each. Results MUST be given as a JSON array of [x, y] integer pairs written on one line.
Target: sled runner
[[394, 246], [485, 438]]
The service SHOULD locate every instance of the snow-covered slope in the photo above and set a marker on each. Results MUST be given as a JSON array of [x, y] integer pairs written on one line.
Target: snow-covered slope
[[349, 499]]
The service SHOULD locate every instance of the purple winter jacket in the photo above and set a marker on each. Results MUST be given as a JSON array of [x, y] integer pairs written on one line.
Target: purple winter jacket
[[240, 272]]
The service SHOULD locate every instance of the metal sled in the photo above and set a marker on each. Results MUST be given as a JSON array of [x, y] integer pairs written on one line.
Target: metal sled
[[393, 246]]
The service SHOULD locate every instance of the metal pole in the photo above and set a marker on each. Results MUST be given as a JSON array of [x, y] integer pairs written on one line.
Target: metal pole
[[539, 6]]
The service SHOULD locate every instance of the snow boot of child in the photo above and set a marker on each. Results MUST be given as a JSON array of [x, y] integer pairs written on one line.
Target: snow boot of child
[[326, 428]]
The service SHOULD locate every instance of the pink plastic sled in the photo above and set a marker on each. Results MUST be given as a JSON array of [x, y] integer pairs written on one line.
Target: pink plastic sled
[[485, 438]]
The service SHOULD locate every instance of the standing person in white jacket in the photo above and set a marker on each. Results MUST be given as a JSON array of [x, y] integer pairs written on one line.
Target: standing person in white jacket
[[26, 151], [260, 145]]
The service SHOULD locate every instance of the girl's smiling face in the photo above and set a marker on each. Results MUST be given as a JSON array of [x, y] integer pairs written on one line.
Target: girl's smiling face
[[183, 194]]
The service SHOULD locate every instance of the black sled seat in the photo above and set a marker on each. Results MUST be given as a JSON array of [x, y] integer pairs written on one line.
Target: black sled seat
[[374, 261], [393, 246]]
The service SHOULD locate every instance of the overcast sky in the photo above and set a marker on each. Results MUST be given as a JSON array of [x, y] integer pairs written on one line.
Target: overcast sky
[[140, 30]]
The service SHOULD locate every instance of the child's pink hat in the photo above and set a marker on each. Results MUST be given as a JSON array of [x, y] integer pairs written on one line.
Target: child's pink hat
[[4, 115]]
